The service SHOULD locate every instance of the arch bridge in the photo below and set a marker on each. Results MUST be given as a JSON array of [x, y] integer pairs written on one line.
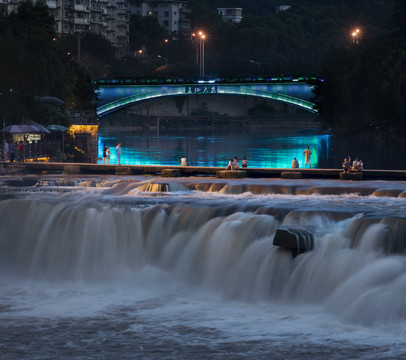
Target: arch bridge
[[116, 94]]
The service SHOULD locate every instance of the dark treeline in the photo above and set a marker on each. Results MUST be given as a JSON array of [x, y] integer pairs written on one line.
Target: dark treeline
[[32, 66], [365, 84], [364, 80]]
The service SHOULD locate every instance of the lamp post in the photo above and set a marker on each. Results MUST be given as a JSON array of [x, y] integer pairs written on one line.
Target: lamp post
[[198, 39], [79, 46], [194, 40], [164, 58], [355, 35], [256, 63], [202, 37]]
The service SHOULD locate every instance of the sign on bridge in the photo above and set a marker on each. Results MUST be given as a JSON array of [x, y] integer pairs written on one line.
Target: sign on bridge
[[201, 89]]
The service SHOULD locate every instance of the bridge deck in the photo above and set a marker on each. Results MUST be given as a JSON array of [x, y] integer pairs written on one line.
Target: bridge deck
[[96, 169]]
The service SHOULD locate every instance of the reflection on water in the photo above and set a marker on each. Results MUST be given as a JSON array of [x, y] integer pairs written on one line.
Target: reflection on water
[[264, 149], [205, 148]]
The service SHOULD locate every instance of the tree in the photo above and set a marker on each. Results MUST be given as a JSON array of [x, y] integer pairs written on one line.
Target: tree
[[32, 66], [146, 34]]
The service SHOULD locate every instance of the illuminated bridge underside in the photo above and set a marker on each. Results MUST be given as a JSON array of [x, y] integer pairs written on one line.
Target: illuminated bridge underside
[[112, 98]]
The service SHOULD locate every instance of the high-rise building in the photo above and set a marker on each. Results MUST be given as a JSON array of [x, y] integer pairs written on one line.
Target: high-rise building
[[109, 18], [173, 15]]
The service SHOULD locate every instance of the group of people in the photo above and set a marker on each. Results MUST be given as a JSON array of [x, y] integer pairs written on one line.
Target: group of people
[[107, 153], [10, 151], [356, 166], [308, 155], [233, 164]]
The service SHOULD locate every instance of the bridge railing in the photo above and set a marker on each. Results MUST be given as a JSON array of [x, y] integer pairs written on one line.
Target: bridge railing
[[215, 80]]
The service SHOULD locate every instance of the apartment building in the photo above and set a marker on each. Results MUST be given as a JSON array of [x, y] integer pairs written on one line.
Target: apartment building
[[109, 18], [233, 15], [173, 15], [9, 5]]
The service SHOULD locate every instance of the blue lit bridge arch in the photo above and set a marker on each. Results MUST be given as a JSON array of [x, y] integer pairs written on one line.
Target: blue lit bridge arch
[[116, 94]]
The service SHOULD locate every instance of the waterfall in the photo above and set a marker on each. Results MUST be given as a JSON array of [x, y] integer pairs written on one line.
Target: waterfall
[[356, 266]]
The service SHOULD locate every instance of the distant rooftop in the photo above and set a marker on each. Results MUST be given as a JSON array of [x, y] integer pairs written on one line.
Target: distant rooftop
[[233, 15]]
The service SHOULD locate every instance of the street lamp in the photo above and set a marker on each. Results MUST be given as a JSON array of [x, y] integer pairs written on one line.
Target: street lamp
[[256, 63], [164, 58], [355, 35], [202, 37], [198, 39], [194, 40]]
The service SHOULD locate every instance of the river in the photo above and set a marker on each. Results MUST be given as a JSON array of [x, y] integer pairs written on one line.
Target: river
[[270, 148], [107, 267]]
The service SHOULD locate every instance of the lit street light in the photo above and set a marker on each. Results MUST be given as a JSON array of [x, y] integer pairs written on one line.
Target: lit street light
[[199, 39], [355, 35], [202, 37]]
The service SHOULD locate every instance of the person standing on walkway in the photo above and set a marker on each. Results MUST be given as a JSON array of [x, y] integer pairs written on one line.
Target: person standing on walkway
[[21, 152], [12, 151], [118, 151], [104, 153], [307, 154], [6, 149], [108, 155]]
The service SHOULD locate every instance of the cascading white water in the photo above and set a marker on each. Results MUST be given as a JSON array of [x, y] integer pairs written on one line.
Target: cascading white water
[[234, 254], [124, 268]]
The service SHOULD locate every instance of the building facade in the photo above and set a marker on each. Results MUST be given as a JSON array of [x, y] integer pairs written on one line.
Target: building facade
[[109, 18], [9, 5], [233, 15], [173, 15]]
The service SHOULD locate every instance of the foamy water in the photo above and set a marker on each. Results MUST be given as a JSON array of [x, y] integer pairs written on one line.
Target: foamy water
[[128, 269]]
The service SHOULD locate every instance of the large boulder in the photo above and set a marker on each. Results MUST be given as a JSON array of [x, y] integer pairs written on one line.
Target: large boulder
[[296, 239]]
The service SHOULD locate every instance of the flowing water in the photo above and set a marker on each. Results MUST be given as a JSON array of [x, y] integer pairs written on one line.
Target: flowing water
[[146, 268], [273, 148]]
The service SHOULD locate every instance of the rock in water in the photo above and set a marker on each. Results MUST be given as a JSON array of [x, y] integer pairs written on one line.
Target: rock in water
[[298, 240]]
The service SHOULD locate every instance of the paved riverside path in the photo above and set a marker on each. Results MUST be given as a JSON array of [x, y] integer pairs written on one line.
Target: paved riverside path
[[111, 169]]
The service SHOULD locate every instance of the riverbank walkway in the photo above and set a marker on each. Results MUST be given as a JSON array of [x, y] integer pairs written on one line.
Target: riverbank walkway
[[177, 171]]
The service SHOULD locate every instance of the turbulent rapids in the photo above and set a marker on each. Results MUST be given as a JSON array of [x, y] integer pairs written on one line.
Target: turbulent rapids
[[357, 266], [187, 268]]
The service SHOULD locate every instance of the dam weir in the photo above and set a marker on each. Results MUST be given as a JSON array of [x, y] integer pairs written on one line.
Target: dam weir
[[187, 268]]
